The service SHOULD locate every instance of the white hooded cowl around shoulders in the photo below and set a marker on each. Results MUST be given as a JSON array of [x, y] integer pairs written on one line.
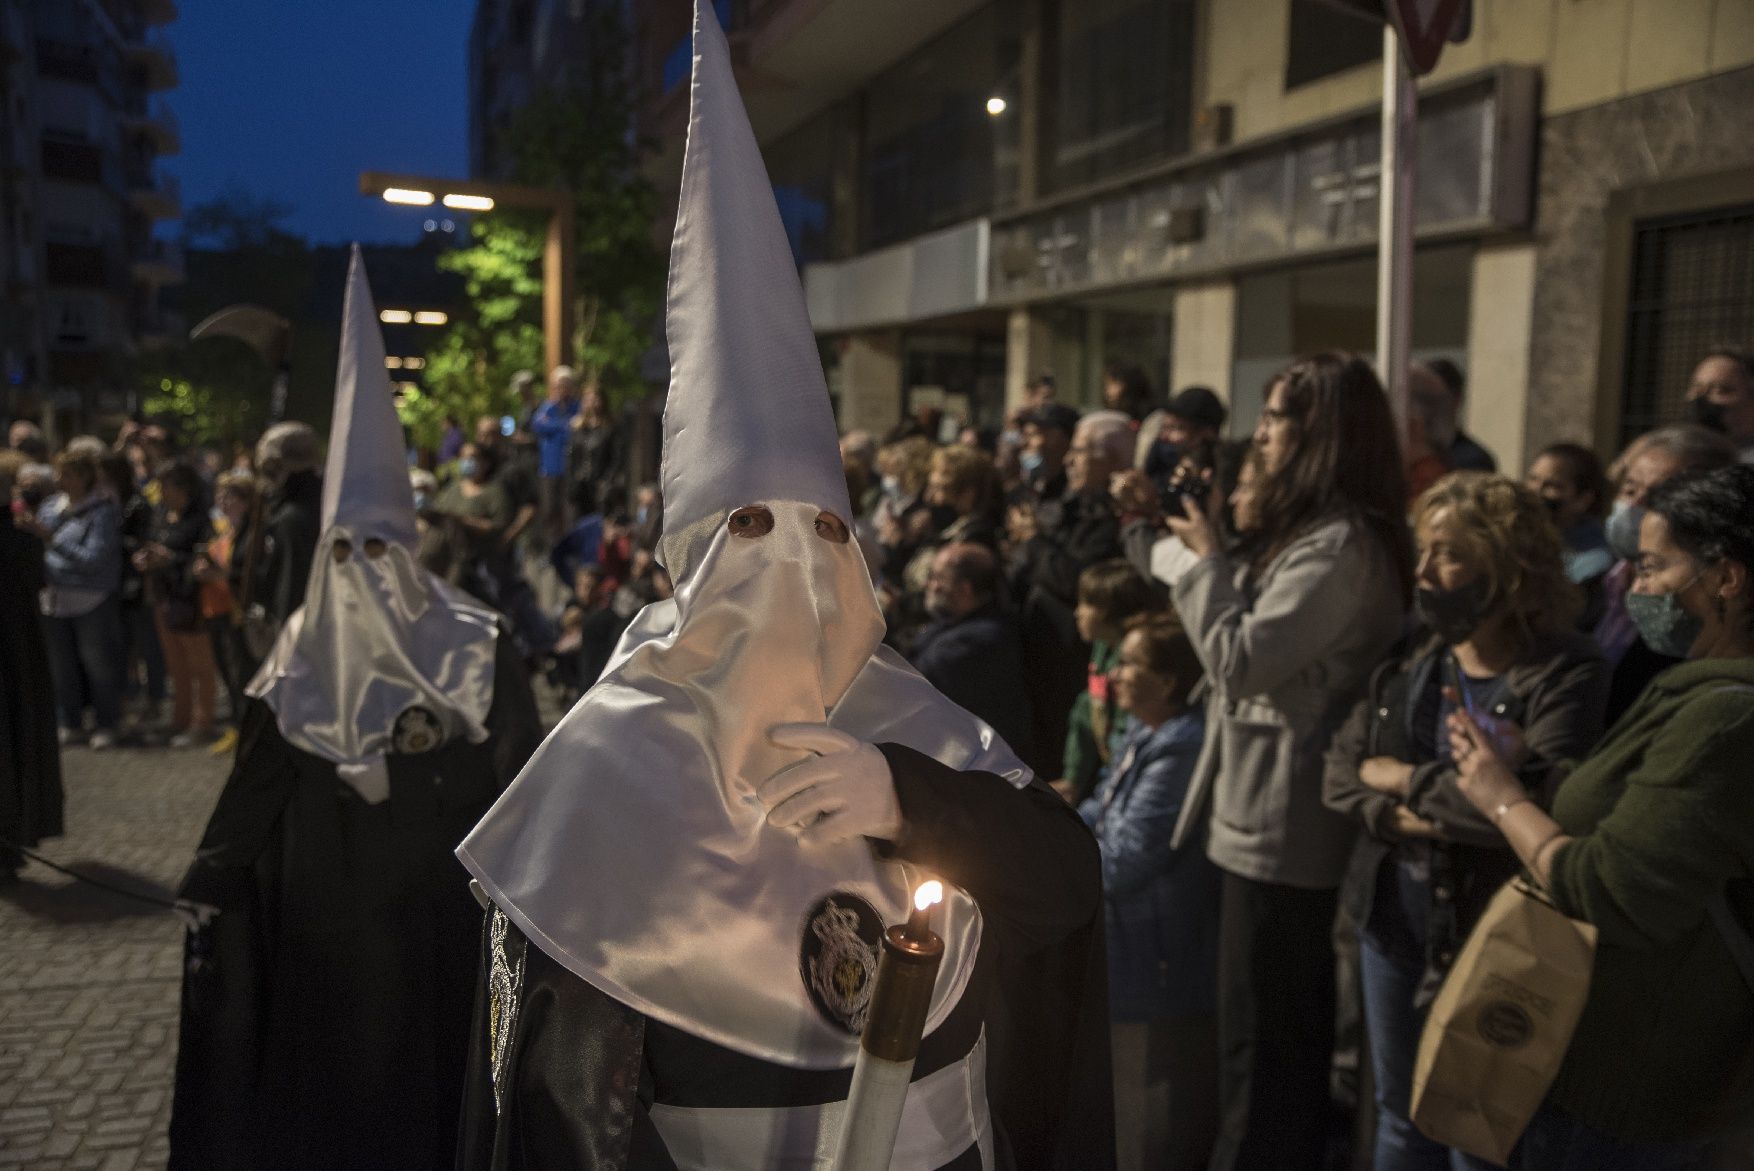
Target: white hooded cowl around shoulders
[[633, 849]]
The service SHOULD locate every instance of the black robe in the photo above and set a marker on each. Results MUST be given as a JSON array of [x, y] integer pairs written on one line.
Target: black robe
[[580, 1070], [326, 1010], [30, 755]]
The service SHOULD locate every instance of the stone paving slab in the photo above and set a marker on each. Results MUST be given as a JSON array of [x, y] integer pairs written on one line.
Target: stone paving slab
[[89, 980]]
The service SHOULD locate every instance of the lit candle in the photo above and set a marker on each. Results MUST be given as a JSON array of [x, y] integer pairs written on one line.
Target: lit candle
[[906, 974]]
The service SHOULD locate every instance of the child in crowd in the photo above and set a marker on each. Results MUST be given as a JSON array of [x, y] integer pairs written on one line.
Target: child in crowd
[[1109, 593]]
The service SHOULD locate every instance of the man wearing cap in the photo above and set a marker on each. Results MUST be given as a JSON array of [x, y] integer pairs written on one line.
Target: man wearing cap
[[329, 970], [688, 882], [1193, 415]]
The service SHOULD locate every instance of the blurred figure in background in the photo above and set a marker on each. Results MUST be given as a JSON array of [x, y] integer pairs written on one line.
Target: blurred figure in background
[[30, 758], [1110, 595], [1465, 454], [180, 529], [1431, 429], [970, 650], [1720, 396], [1162, 910], [143, 659], [1571, 484], [80, 528]]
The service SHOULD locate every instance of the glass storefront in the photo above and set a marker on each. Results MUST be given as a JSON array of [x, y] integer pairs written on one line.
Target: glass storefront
[[1123, 90], [1288, 312]]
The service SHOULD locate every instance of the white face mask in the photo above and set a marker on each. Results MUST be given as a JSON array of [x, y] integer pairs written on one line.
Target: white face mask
[[892, 487], [381, 658]]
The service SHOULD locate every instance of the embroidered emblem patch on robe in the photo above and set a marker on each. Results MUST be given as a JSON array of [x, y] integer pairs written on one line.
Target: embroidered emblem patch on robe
[[838, 958]]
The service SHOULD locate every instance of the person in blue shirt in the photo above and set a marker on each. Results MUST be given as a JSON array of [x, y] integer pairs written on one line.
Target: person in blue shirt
[[1161, 909], [552, 424]]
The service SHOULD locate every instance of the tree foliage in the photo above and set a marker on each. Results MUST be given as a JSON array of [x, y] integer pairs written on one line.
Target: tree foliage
[[577, 136]]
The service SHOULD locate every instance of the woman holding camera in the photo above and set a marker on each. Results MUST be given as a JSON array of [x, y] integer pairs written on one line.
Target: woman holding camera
[[1496, 612], [1288, 626], [1651, 840]]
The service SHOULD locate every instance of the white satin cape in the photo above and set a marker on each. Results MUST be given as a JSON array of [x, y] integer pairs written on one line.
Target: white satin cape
[[375, 638], [633, 850]]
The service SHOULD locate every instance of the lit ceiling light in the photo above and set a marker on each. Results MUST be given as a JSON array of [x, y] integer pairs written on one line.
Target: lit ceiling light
[[407, 195], [431, 317], [469, 202], [392, 363], [395, 316], [414, 363], [996, 105]]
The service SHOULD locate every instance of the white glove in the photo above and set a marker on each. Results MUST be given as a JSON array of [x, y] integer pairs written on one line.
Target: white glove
[[844, 792]]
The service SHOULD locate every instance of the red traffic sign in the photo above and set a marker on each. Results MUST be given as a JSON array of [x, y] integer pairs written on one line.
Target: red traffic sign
[[1425, 25]]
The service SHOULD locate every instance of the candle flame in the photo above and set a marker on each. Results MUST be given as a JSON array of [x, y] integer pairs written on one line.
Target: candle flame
[[928, 894]]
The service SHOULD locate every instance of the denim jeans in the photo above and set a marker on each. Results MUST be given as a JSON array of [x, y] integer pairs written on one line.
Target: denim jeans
[[85, 657], [1554, 1142], [1391, 963]]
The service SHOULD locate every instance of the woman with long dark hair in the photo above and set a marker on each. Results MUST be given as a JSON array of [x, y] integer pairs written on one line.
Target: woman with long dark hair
[[1288, 625]]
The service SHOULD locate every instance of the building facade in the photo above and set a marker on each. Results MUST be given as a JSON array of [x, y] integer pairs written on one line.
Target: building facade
[[981, 192], [516, 49], [84, 125]]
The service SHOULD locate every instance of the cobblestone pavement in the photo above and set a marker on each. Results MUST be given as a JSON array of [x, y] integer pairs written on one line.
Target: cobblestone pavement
[[89, 980]]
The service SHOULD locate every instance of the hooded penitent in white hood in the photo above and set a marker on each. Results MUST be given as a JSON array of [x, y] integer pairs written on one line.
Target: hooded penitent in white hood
[[633, 848], [382, 656]]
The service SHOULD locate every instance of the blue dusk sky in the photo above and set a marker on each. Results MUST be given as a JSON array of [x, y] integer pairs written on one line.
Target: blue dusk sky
[[292, 101]]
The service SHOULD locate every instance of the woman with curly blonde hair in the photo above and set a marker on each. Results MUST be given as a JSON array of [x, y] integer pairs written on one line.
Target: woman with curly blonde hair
[[1497, 642]]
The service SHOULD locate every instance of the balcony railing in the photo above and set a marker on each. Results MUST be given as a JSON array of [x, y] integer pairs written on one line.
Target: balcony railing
[[156, 192], [158, 262], [154, 118], [152, 51]]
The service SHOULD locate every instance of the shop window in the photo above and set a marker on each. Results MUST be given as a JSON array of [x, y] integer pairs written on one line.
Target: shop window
[[933, 150], [1328, 38], [1692, 288], [1123, 90]]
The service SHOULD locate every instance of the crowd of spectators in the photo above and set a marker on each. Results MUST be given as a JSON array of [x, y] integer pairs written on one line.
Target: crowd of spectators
[[1311, 690]]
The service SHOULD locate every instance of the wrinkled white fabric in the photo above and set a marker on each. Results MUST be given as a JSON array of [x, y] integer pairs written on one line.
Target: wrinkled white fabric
[[378, 639], [634, 848]]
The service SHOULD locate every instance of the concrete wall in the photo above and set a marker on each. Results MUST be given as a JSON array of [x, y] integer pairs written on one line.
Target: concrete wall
[[1590, 51], [1205, 336]]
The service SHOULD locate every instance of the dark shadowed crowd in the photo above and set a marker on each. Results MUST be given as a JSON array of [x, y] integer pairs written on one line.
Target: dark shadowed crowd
[[1318, 692]]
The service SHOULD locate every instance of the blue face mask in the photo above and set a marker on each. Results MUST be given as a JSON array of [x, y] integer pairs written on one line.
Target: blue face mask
[[1622, 529], [1030, 462], [467, 468], [1663, 624]]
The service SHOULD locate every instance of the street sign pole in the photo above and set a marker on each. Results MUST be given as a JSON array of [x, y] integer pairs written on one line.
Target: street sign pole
[[1394, 257]]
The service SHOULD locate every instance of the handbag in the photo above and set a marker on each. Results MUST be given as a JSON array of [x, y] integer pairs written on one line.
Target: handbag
[[1501, 1023]]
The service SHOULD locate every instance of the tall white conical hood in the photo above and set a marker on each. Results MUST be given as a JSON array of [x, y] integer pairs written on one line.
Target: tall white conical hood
[[634, 848], [748, 416], [365, 486], [382, 657]]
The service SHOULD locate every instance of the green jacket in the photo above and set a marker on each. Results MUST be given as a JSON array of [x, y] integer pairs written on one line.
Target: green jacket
[[1090, 729], [1663, 818]]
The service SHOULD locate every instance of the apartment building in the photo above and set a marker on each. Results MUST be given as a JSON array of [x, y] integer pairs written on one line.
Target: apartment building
[[980, 192], [516, 48], [84, 126]]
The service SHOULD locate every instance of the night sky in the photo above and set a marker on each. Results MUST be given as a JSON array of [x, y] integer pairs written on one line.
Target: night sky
[[292, 101]]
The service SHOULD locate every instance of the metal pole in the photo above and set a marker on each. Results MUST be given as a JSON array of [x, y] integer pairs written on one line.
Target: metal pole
[[1394, 249], [557, 285]]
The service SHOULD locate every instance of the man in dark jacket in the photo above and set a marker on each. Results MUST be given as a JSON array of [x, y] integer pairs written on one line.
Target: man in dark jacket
[[1068, 534], [971, 651]]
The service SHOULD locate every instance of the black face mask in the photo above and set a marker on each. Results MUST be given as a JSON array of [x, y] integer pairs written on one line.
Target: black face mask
[[1455, 614], [1709, 414]]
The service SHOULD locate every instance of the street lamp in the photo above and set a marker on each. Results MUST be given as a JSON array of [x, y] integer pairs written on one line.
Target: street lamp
[[467, 195]]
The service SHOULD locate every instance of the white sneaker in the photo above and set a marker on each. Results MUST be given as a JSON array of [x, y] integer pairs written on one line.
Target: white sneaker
[[102, 739], [190, 739]]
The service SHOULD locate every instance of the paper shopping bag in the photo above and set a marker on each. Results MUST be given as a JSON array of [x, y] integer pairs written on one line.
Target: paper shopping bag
[[1501, 1023]]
